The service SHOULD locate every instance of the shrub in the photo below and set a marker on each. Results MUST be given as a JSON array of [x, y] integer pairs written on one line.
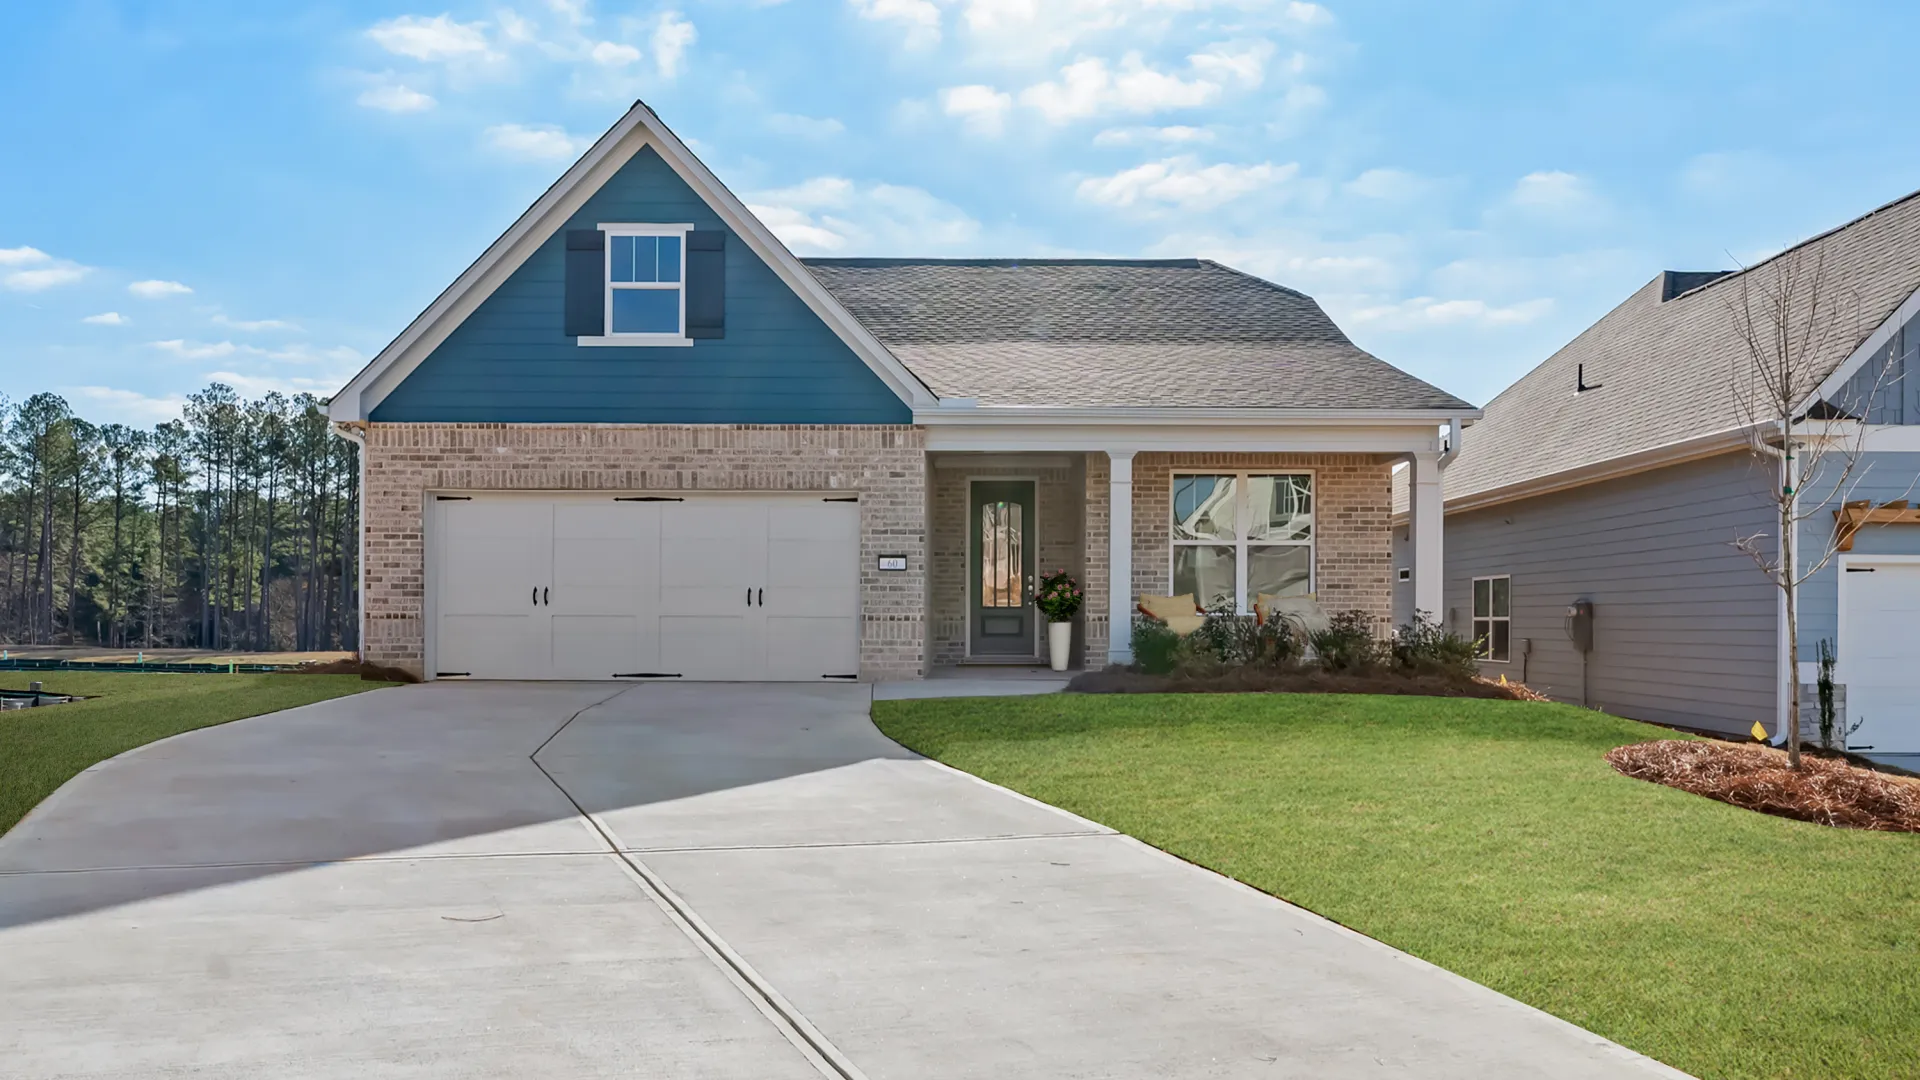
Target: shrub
[[1426, 647], [1156, 647], [1348, 643], [1058, 597], [1240, 640]]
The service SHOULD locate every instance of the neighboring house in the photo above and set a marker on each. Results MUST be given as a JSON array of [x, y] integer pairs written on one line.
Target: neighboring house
[[1620, 471], [640, 439]]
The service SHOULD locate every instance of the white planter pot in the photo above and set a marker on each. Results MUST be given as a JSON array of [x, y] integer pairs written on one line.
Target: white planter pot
[[1059, 644]]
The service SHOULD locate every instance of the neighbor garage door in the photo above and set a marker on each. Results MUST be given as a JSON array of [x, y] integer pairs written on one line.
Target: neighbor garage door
[[735, 587], [1879, 653]]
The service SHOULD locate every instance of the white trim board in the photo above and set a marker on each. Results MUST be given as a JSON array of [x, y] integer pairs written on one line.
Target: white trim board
[[638, 128]]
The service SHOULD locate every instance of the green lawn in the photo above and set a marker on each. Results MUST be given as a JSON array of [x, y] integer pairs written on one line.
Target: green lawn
[[40, 749], [1493, 839]]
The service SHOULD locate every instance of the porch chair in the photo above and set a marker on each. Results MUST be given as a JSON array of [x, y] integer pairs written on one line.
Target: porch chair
[[1181, 614]]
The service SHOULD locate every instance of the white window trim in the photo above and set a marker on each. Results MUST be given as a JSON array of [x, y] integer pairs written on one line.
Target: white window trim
[[1490, 618], [607, 285], [1242, 492]]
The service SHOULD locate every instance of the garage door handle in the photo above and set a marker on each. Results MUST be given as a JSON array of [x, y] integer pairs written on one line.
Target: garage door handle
[[762, 598], [536, 596], [749, 597], [545, 597]]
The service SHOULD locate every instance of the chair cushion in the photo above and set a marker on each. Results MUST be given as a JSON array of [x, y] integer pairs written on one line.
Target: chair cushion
[[1304, 612], [1168, 608], [1185, 624]]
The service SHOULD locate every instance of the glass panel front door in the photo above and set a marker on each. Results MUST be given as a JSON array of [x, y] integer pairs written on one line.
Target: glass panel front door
[[1000, 615]]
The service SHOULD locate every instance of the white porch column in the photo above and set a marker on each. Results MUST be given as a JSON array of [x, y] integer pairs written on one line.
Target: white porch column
[[1426, 513], [1120, 557]]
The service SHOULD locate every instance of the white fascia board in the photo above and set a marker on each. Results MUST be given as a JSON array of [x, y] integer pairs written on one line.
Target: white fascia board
[[1068, 416], [1869, 438], [637, 129], [1659, 457], [1271, 437], [1857, 359]]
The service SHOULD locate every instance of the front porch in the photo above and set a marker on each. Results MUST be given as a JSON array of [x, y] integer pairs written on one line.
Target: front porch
[[1226, 525]]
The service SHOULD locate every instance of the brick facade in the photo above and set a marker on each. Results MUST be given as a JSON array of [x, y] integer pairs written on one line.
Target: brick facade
[[1057, 488], [909, 619], [885, 464]]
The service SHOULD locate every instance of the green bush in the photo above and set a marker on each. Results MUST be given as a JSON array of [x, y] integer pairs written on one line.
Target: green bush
[[1156, 648], [1241, 641], [1425, 647], [1348, 643]]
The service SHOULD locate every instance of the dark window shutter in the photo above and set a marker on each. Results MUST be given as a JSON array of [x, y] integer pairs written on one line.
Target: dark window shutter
[[586, 314], [707, 284]]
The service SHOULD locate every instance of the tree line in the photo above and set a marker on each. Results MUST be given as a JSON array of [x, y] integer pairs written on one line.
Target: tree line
[[229, 528]]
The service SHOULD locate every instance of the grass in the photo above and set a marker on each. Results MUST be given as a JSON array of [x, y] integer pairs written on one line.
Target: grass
[[40, 749], [1491, 838]]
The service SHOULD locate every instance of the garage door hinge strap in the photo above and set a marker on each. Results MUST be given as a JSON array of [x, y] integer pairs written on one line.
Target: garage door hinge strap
[[451, 674], [453, 498], [839, 676], [648, 498], [841, 498], [646, 675], [1860, 569]]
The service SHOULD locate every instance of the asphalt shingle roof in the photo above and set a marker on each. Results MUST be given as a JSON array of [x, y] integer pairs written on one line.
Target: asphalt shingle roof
[[1667, 369], [1115, 333]]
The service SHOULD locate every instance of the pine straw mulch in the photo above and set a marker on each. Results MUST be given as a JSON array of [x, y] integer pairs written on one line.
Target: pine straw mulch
[[1825, 790], [1298, 680], [368, 672]]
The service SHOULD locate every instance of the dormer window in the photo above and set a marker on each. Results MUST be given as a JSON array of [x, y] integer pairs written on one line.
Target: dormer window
[[646, 267]]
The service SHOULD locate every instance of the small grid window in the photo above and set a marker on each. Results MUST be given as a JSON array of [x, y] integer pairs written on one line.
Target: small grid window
[[646, 268], [1238, 536], [1492, 617]]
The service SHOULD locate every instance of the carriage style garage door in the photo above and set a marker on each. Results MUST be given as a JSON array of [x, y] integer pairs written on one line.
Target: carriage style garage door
[[1876, 659], [734, 587]]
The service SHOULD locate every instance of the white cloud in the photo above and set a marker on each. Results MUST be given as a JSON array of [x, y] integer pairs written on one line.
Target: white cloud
[[126, 406], [1554, 195], [1241, 62], [23, 256], [1421, 312], [438, 38], [804, 127], [1307, 14], [396, 98], [1182, 181], [541, 143], [1387, 185], [43, 277], [195, 350], [107, 318], [1137, 136], [981, 108], [614, 54], [155, 289], [830, 214], [253, 325], [1089, 88], [40, 270], [919, 20], [256, 385], [672, 36]]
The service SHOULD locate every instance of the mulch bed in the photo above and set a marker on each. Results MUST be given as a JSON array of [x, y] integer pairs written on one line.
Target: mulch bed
[[1251, 680], [369, 672], [1825, 790]]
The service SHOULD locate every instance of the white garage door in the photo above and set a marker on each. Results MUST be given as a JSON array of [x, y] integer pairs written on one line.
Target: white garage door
[[747, 587], [1879, 654]]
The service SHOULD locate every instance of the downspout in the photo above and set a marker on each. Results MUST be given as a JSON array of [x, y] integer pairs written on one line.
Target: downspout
[[355, 432]]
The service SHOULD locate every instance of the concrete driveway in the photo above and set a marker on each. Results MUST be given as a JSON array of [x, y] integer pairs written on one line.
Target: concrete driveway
[[515, 880]]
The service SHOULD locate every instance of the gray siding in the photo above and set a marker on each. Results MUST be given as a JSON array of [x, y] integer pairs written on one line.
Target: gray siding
[[1879, 477], [1887, 387], [1684, 625]]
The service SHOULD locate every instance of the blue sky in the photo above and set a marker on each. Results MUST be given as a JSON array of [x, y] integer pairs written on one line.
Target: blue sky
[[267, 193]]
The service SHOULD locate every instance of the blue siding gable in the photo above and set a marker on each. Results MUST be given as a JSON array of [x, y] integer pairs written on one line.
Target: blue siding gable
[[510, 363]]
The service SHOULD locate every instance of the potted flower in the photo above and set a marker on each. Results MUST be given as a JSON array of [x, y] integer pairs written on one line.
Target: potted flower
[[1058, 598]]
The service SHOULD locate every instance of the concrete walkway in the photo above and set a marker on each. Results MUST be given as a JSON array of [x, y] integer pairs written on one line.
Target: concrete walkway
[[570, 880]]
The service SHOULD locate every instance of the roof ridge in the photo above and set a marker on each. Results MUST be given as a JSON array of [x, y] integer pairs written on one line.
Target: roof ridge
[[904, 260], [1256, 278], [1791, 248]]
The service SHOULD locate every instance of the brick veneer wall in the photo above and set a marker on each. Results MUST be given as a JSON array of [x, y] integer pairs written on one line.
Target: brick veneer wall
[[1353, 510], [885, 464], [1058, 492], [1352, 521]]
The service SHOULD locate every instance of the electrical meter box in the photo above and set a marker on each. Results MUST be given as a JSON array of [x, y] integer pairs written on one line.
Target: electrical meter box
[[1580, 625]]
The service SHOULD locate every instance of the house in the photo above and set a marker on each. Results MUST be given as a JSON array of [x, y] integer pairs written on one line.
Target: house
[[640, 439], [1620, 472]]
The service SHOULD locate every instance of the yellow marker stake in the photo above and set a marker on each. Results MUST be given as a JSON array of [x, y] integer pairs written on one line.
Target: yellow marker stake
[[1759, 732]]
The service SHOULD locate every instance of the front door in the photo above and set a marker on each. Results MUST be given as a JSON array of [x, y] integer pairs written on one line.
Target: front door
[[1000, 615]]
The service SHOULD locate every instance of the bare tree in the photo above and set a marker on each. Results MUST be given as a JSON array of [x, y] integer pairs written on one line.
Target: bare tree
[[1793, 323]]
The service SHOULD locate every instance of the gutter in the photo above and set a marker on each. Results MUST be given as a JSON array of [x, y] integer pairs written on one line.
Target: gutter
[[964, 411]]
